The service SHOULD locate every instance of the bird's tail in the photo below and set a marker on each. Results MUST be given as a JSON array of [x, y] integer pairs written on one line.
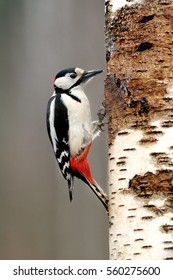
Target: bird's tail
[[80, 167], [100, 194], [70, 188]]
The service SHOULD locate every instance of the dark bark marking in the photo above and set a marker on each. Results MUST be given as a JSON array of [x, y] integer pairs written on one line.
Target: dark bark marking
[[145, 19], [149, 183], [144, 46]]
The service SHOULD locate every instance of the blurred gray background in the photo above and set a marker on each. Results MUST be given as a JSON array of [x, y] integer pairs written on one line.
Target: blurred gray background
[[37, 39]]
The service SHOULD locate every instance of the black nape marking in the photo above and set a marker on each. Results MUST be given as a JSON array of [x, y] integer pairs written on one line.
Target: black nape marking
[[60, 90], [74, 97], [67, 91]]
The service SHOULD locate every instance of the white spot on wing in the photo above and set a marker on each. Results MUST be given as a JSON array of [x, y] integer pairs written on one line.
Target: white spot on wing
[[68, 176], [65, 153], [66, 165], [64, 141]]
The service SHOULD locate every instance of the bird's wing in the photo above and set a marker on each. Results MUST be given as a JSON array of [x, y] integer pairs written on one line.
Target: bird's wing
[[57, 127]]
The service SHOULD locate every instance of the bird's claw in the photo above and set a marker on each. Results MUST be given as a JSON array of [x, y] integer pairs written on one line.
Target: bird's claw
[[101, 114], [99, 124]]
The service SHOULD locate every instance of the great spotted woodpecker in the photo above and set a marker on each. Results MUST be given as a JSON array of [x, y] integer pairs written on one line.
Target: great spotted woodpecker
[[70, 128]]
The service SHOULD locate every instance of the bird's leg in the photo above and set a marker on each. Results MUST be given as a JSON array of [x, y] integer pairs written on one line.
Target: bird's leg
[[99, 124]]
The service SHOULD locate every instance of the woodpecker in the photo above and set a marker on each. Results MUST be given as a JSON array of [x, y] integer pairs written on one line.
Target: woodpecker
[[70, 128]]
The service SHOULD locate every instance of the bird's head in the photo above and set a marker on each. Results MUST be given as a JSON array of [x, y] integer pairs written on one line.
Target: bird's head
[[70, 78]]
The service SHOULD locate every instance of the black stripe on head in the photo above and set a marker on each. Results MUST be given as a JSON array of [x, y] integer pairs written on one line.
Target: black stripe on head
[[62, 73]]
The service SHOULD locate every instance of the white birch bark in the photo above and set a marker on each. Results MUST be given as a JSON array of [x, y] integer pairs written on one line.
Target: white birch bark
[[139, 104]]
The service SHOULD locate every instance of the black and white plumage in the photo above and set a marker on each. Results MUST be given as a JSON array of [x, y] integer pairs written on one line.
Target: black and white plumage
[[57, 126], [70, 128]]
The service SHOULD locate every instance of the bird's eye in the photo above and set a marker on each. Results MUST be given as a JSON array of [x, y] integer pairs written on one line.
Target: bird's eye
[[73, 75]]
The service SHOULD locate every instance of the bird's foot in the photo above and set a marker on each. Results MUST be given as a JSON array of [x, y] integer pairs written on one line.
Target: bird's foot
[[99, 124]]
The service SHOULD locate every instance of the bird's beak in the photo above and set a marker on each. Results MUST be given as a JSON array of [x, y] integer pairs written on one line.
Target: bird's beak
[[87, 75]]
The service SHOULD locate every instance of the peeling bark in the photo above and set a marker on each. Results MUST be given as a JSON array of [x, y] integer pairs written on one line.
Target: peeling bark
[[139, 105]]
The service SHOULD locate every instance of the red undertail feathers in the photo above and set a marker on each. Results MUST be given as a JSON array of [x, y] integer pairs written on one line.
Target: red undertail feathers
[[80, 164]]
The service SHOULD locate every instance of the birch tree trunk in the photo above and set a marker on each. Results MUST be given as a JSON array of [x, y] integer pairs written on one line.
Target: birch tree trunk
[[139, 105]]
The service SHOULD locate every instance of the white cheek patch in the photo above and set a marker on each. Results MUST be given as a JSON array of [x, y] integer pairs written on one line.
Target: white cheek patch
[[63, 82]]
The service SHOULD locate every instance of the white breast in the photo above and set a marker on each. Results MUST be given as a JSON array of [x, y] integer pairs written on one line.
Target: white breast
[[80, 125]]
